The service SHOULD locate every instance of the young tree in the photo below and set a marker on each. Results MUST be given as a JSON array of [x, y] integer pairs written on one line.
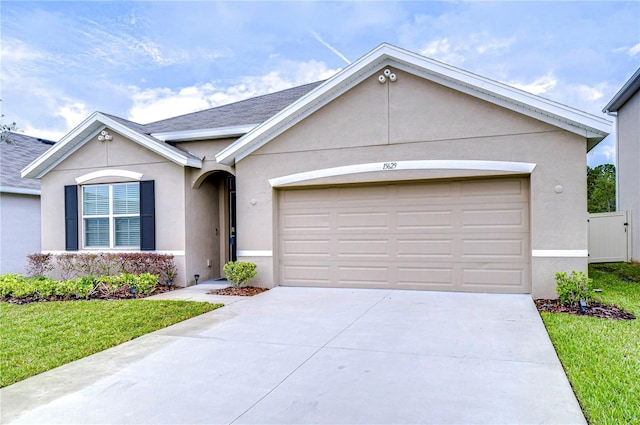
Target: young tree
[[601, 188], [6, 128]]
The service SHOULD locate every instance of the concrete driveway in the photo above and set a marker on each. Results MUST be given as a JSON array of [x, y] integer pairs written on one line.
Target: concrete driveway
[[309, 355]]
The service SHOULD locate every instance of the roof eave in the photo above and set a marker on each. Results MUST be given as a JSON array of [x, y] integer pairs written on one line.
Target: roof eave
[[19, 190], [624, 94], [553, 113], [88, 129], [204, 134]]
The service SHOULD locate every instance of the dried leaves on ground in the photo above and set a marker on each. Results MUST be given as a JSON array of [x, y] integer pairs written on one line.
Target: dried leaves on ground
[[242, 291], [594, 309]]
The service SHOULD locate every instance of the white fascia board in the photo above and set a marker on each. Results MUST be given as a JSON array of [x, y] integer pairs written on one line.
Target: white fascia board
[[60, 149], [145, 141], [298, 110], [206, 133], [87, 130], [19, 190], [570, 119], [580, 122], [624, 94]]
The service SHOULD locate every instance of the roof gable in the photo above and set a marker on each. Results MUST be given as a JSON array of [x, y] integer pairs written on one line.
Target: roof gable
[[90, 128], [593, 128]]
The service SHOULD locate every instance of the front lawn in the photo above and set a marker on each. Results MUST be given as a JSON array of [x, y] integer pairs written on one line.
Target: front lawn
[[602, 356], [37, 337]]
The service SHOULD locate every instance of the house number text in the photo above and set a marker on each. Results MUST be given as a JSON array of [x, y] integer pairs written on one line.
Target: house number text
[[389, 165]]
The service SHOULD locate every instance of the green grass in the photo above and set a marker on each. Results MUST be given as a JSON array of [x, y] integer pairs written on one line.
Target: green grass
[[601, 356], [628, 271], [40, 336]]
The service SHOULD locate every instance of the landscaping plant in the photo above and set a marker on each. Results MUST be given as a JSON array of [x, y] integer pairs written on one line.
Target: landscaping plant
[[18, 287], [574, 288], [601, 357], [77, 265], [239, 272]]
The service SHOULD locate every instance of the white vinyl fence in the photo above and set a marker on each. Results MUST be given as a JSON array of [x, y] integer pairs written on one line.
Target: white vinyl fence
[[608, 237]]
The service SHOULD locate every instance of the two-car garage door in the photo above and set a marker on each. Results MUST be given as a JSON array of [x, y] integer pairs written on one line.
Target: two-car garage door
[[467, 235]]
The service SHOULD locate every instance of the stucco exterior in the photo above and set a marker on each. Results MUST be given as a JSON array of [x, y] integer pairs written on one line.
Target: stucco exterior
[[625, 104], [355, 130], [19, 230], [628, 170], [402, 121], [122, 154], [19, 201]]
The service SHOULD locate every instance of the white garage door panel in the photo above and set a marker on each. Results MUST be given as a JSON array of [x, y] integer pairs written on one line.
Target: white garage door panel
[[461, 236]]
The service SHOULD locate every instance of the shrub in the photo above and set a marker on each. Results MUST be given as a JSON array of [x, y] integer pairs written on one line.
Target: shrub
[[145, 283], [11, 283], [18, 286], [45, 287], [75, 265], [66, 265], [573, 288], [239, 272], [39, 264]]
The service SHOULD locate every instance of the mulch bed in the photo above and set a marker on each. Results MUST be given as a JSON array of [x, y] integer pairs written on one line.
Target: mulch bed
[[120, 294], [594, 309], [243, 291]]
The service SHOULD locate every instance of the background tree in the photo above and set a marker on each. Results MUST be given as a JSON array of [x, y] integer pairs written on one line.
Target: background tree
[[601, 188], [6, 128]]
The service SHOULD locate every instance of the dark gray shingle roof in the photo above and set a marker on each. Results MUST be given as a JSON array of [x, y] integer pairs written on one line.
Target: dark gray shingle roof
[[255, 110], [16, 155]]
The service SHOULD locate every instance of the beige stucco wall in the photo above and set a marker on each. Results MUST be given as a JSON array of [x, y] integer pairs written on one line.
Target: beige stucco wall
[[628, 168], [123, 154], [413, 119]]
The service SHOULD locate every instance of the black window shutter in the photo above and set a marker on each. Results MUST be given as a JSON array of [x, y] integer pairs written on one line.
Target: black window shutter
[[147, 216], [71, 218]]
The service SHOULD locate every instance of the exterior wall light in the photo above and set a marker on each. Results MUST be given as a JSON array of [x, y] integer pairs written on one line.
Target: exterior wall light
[[104, 135], [387, 74], [196, 277]]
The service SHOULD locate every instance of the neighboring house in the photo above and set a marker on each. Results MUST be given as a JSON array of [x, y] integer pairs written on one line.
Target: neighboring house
[[19, 201], [626, 106], [397, 172]]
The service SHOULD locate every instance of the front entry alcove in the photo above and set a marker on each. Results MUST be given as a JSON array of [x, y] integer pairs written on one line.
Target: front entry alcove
[[210, 225]]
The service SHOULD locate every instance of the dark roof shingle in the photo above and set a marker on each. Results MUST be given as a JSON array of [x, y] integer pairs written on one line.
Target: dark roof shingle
[[255, 110], [16, 155]]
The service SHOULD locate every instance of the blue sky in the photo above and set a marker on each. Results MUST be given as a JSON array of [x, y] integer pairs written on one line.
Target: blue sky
[[146, 61]]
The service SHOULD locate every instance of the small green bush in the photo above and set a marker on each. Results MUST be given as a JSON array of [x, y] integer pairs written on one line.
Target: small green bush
[[18, 286], [145, 283], [45, 287], [239, 272], [573, 288], [14, 285]]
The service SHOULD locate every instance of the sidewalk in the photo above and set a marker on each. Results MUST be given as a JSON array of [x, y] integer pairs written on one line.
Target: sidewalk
[[199, 292]]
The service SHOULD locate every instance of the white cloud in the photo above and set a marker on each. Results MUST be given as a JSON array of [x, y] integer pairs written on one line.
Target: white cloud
[[631, 51], [604, 153], [73, 113], [159, 103], [457, 51], [441, 50], [538, 86], [43, 133]]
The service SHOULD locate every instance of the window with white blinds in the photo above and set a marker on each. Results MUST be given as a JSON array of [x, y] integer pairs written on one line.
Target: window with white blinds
[[111, 215]]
